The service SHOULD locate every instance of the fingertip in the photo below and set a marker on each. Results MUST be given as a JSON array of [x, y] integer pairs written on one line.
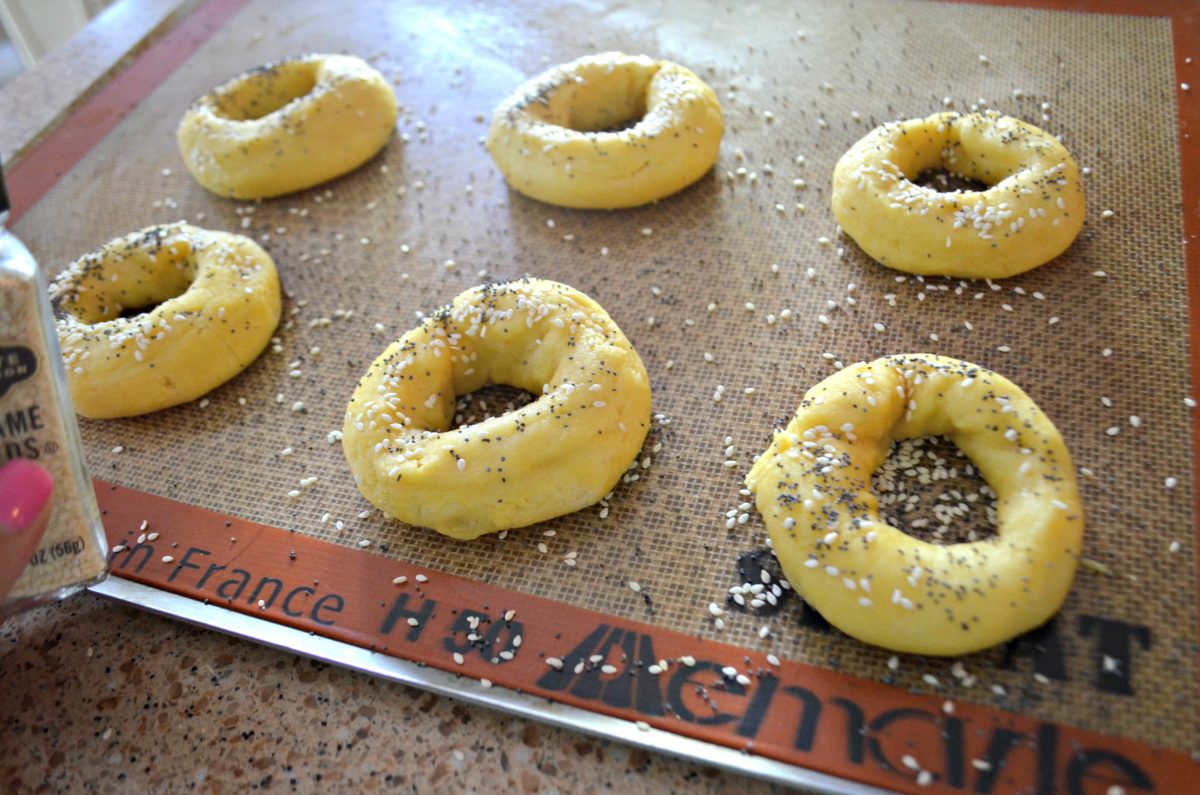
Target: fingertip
[[25, 490]]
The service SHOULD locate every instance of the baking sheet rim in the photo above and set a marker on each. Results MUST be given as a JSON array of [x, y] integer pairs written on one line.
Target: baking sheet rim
[[269, 633]]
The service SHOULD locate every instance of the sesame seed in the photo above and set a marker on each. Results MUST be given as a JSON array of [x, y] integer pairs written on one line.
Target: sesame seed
[[642, 726], [458, 658], [168, 559], [421, 578], [554, 663]]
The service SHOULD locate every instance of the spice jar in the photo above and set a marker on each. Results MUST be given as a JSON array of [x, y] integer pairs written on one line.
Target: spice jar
[[37, 421]]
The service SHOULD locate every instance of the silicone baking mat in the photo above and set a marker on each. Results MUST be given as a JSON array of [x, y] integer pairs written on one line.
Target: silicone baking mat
[[747, 269]]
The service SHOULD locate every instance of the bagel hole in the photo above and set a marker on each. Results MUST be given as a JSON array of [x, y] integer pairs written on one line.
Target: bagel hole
[[944, 181], [930, 490], [267, 90], [128, 312], [608, 118], [492, 400], [165, 291]]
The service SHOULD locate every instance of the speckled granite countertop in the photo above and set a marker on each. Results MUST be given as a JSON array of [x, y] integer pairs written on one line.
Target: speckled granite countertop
[[100, 697], [95, 696]]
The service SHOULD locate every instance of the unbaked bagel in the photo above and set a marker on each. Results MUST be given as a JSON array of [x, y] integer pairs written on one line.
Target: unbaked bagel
[[875, 582], [607, 131], [560, 453], [1030, 213], [287, 126], [214, 301]]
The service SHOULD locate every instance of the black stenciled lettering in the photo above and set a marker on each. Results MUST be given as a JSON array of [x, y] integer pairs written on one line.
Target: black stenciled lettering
[[1044, 646], [286, 606], [499, 638], [400, 610], [996, 756], [856, 729], [811, 619], [241, 581], [256, 597], [810, 713], [1083, 768], [685, 677], [462, 625], [1114, 658], [589, 684], [555, 679], [956, 753], [128, 553], [1047, 758], [634, 686], [880, 724], [756, 710], [186, 562], [335, 605], [212, 569], [648, 695]]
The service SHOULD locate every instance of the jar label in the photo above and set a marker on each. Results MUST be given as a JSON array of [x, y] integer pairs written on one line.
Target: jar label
[[16, 364]]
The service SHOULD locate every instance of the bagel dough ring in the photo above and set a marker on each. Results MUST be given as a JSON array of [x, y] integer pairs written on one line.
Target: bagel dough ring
[[560, 453], [287, 126], [560, 138], [1031, 213], [217, 297], [882, 586]]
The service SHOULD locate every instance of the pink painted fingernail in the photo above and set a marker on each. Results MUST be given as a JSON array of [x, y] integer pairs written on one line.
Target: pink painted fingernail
[[25, 488]]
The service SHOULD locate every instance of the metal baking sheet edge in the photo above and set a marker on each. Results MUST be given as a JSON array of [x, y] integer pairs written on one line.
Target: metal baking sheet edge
[[443, 683]]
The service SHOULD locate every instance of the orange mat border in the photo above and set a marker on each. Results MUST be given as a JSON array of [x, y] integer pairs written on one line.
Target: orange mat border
[[716, 692], [794, 713]]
